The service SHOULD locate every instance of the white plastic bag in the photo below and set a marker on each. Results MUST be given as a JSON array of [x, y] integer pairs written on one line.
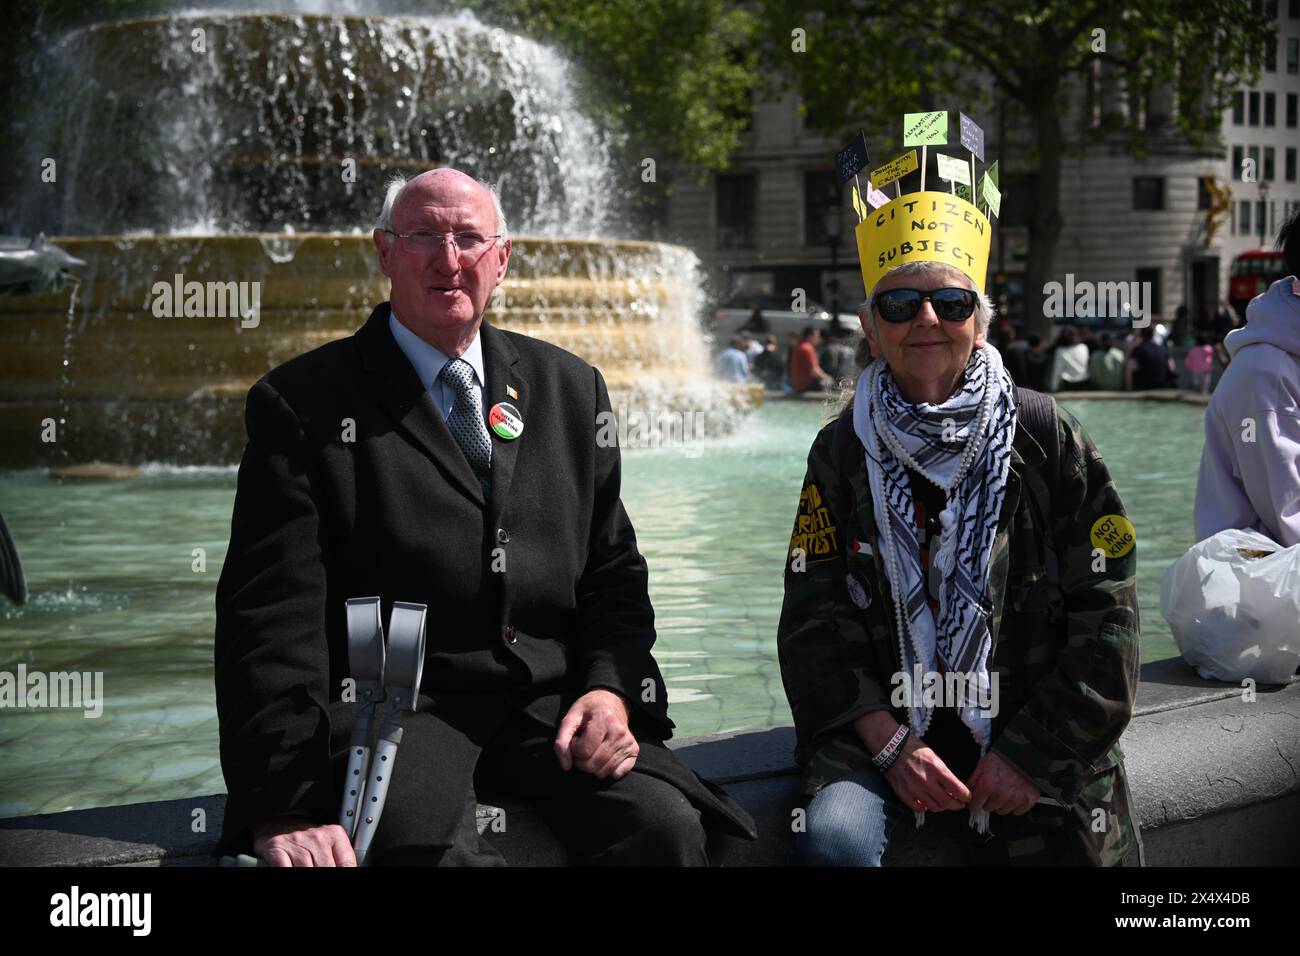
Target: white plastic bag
[[1233, 604]]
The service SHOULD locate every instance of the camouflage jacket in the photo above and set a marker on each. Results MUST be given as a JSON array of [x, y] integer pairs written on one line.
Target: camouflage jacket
[[1064, 620]]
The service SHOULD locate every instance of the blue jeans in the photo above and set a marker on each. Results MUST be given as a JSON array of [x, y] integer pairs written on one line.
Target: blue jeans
[[851, 821]]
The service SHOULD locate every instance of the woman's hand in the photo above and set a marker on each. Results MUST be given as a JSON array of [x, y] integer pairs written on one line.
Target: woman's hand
[[920, 779], [923, 781]]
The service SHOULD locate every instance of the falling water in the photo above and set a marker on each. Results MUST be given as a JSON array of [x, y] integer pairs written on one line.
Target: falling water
[[215, 122], [232, 147]]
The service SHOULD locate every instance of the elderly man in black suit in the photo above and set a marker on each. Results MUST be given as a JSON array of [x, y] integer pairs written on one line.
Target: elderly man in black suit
[[433, 458]]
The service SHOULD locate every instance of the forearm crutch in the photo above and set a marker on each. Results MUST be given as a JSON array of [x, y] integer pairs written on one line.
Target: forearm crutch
[[403, 667], [366, 664]]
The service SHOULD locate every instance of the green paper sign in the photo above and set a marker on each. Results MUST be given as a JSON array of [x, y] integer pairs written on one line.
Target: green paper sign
[[953, 169], [925, 129], [989, 194], [963, 192]]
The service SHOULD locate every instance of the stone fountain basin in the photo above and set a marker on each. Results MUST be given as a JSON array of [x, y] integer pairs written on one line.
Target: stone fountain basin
[[144, 386]]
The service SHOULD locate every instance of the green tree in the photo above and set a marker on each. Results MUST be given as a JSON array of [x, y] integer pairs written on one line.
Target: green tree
[[866, 62], [674, 75]]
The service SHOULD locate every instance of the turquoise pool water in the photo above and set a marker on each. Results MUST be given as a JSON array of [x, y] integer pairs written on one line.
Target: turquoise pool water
[[110, 570]]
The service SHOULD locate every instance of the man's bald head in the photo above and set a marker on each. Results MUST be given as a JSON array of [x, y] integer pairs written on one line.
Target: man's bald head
[[440, 182], [439, 243]]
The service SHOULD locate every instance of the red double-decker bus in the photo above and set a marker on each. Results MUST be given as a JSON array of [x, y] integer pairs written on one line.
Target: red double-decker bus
[[1253, 272]]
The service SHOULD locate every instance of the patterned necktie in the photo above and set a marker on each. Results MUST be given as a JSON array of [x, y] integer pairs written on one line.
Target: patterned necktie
[[466, 420]]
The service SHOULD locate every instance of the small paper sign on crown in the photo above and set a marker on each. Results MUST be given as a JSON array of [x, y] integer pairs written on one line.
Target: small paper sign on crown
[[928, 226]]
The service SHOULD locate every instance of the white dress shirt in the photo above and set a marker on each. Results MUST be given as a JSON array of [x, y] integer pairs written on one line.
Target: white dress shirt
[[428, 362]]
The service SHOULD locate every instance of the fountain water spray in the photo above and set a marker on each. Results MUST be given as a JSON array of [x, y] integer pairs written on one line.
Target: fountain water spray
[[254, 148]]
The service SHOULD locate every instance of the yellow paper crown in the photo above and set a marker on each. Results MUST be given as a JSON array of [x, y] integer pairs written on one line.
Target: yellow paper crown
[[924, 227]]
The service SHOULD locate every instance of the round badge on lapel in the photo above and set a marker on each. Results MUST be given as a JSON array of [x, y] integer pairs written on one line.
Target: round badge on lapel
[[505, 420]]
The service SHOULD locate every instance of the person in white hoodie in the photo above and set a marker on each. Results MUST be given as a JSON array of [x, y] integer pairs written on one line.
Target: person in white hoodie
[[1250, 468]]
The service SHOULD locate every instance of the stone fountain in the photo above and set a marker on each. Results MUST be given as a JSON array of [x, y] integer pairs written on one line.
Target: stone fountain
[[254, 148]]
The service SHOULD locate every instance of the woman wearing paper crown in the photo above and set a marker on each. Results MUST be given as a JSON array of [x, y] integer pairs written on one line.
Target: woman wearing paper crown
[[960, 626]]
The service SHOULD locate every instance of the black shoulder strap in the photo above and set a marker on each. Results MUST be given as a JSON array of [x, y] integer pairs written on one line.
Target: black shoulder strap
[[845, 441], [1036, 413]]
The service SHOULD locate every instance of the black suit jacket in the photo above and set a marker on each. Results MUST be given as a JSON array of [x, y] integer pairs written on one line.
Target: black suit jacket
[[352, 485]]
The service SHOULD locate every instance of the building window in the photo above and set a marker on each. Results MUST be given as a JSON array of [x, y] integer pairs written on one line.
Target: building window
[[1202, 193], [1148, 192], [1270, 9], [1092, 93], [815, 117], [1290, 164], [1259, 216], [1293, 55], [1152, 276], [1238, 157], [1293, 9], [1238, 108], [1252, 153], [735, 198], [1018, 191], [1243, 221], [1270, 55], [1291, 99], [1270, 109], [1254, 108], [1269, 175], [820, 195]]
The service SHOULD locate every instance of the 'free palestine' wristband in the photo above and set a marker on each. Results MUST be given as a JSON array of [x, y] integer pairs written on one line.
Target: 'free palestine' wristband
[[885, 759]]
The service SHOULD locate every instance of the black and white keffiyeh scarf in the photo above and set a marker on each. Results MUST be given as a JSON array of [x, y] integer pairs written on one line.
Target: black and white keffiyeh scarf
[[964, 447]]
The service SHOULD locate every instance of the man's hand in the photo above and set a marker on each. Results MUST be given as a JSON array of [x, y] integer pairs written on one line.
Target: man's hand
[[296, 841], [594, 736], [998, 787]]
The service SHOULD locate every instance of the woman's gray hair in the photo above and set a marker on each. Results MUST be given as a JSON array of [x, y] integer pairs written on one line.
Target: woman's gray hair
[[398, 183], [983, 304]]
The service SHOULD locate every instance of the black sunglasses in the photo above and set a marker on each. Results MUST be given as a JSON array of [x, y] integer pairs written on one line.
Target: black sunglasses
[[901, 305]]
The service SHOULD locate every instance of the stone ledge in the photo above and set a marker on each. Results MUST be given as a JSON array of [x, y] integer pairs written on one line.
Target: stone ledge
[[1185, 395], [1216, 781]]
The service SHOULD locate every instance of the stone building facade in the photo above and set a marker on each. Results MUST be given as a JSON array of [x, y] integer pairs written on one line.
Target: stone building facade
[[1162, 218]]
